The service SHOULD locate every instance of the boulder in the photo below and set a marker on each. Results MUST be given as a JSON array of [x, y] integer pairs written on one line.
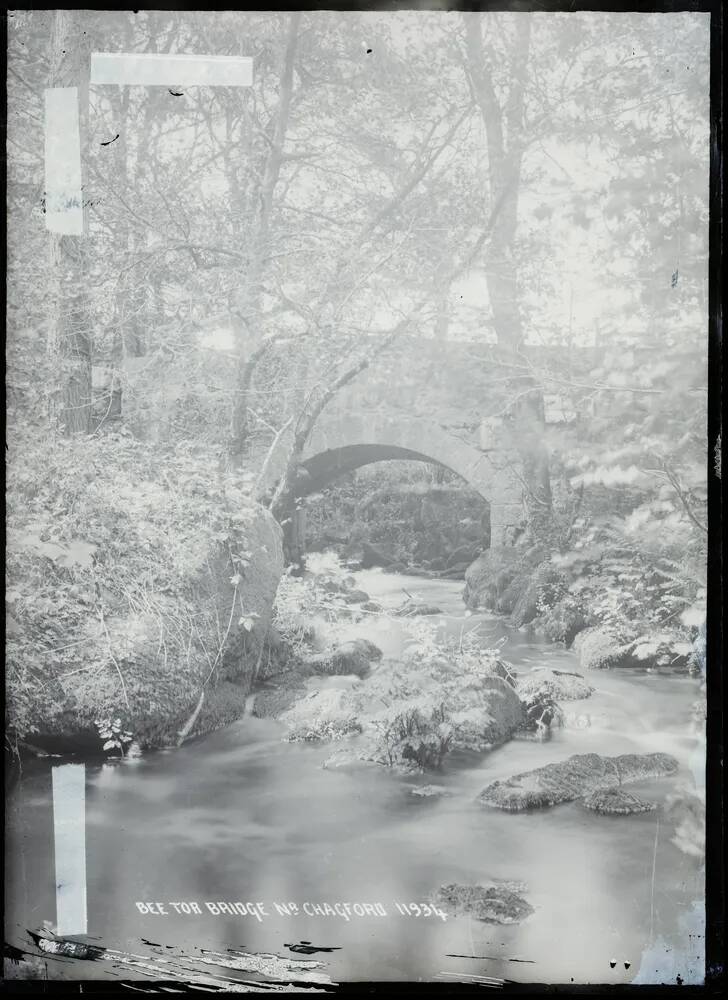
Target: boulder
[[574, 778], [600, 648], [562, 622], [498, 903], [542, 713], [148, 670], [433, 713], [487, 578], [662, 650], [275, 698], [326, 714], [545, 587], [616, 802], [557, 685], [414, 608], [352, 657], [603, 648], [372, 607], [346, 758]]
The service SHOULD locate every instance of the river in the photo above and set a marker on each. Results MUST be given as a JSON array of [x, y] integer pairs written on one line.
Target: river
[[240, 815]]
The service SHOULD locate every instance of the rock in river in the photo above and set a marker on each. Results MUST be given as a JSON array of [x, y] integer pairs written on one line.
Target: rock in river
[[326, 714], [575, 778], [494, 904], [413, 608], [616, 802], [557, 685], [601, 649], [429, 791], [353, 657]]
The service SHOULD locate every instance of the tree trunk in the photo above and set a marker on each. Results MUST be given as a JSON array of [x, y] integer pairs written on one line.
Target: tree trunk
[[70, 336], [258, 249], [284, 497], [504, 129]]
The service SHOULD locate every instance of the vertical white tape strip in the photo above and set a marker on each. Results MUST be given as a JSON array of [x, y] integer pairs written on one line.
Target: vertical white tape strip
[[69, 834], [64, 209]]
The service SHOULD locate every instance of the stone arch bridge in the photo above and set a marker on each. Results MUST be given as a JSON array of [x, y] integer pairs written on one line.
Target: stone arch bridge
[[445, 404], [345, 440]]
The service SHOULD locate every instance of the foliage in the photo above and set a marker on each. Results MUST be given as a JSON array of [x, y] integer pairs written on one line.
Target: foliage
[[418, 514], [249, 251], [445, 695], [104, 544], [114, 737]]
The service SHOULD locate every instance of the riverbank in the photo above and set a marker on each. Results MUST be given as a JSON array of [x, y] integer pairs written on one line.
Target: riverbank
[[246, 808], [430, 653], [139, 601]]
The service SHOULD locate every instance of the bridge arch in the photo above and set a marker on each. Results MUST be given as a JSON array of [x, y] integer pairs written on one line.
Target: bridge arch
[[348, 441]]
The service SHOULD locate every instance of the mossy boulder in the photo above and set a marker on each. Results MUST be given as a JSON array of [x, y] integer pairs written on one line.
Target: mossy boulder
[[563, 621], [602, 648], [498, 903], [616, 802], [499, 578], [417, 712], [352, 657], [324, 714], [575, 778], [543, 589], [147, 658], [559, 685], [413, 608], [489, 576]]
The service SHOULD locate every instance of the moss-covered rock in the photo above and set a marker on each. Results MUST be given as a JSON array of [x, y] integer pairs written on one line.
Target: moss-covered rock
[[279, 694], [419, 711], [616, 802], [563, 621], [488, 578], [413, 608], [601, 648], [352, 657], [325, 714], [559, 685], [574, 778], [501, 579], [544, 588], [498, 903], [145, 653]]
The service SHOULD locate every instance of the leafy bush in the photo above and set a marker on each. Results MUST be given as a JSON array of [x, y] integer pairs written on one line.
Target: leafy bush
[[106, 536], [445, 695]]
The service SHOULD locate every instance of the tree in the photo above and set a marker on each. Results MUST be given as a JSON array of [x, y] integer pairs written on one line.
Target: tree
[[70, 335]]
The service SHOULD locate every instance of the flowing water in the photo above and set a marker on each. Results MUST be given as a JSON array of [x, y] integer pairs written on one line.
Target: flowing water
[[241, 815]]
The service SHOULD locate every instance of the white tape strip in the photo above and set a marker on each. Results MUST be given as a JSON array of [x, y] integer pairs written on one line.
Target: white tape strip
[[69, 834], [63, 205], [162, 70]]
